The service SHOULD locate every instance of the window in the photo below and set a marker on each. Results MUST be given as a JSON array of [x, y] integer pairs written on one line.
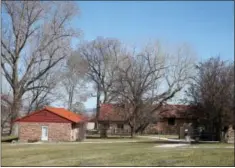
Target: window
[[171, 121], [120, 126]]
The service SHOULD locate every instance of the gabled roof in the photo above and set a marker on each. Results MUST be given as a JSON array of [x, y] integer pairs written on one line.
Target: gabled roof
[[177, 111], [66, 114], [112, 112], [71, 116]]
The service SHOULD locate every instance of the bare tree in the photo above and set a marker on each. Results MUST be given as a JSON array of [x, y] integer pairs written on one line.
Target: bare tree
[[141, 74], [41, 96], [34, 33], [212, 92], [73, 82], [78, 108], [100, 56]]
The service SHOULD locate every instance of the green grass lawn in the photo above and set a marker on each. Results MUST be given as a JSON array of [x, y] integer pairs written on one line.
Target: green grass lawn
[[113, 154]]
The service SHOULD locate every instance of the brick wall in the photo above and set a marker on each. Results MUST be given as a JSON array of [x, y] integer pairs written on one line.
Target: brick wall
[[162, 127], [113, 128], [56, 131]]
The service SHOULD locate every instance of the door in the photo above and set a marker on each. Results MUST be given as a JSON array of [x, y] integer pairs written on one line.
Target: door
[[44, 136]]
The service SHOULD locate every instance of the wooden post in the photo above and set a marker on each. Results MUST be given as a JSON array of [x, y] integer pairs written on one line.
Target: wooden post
[[103, 131], [82, 131], [181, 135]]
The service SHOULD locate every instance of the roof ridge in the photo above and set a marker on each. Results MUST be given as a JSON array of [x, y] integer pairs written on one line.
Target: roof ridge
[[69, 113], [62, 112]]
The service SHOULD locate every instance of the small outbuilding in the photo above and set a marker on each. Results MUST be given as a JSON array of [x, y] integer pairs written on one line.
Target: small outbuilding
[[53, 125]]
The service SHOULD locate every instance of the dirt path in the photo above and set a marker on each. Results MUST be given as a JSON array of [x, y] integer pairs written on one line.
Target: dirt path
[[161, 138], [171, 145]]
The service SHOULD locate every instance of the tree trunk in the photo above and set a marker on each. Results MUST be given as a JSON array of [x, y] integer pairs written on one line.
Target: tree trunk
[[219, 128], [15, 111], [2, 127], [97, 107], [141, 128], [132, 132], [70, 102], [103, 131], [133, 127], [220, 137], [217, 132]]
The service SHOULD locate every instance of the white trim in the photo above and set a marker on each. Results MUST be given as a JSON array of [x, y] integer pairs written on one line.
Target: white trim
[[46, 137]]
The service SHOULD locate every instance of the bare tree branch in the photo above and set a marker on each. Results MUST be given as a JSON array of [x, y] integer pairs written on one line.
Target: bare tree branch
[[36, 39], [138, 75], [211, 91]]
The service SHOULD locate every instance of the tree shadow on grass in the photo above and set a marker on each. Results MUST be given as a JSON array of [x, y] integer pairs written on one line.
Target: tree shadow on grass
[[112, 137]]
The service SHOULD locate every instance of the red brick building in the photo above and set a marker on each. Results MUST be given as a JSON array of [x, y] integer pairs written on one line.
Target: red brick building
[[51, 124]]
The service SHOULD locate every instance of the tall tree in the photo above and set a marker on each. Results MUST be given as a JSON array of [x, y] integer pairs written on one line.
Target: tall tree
[[74, 82], [100, 56], [212, 91], [33, 33], [148, 79]]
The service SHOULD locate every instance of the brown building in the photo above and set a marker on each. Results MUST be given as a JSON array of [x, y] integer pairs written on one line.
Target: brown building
[[51, 124], [111, 117], [168, 119]]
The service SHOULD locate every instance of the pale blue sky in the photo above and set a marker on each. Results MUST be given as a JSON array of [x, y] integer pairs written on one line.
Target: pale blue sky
[[207, 26]]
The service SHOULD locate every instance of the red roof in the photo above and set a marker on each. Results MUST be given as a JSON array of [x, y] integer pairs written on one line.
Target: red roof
[[71, 116], [66, 114], [112, 112], [177, 111]]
